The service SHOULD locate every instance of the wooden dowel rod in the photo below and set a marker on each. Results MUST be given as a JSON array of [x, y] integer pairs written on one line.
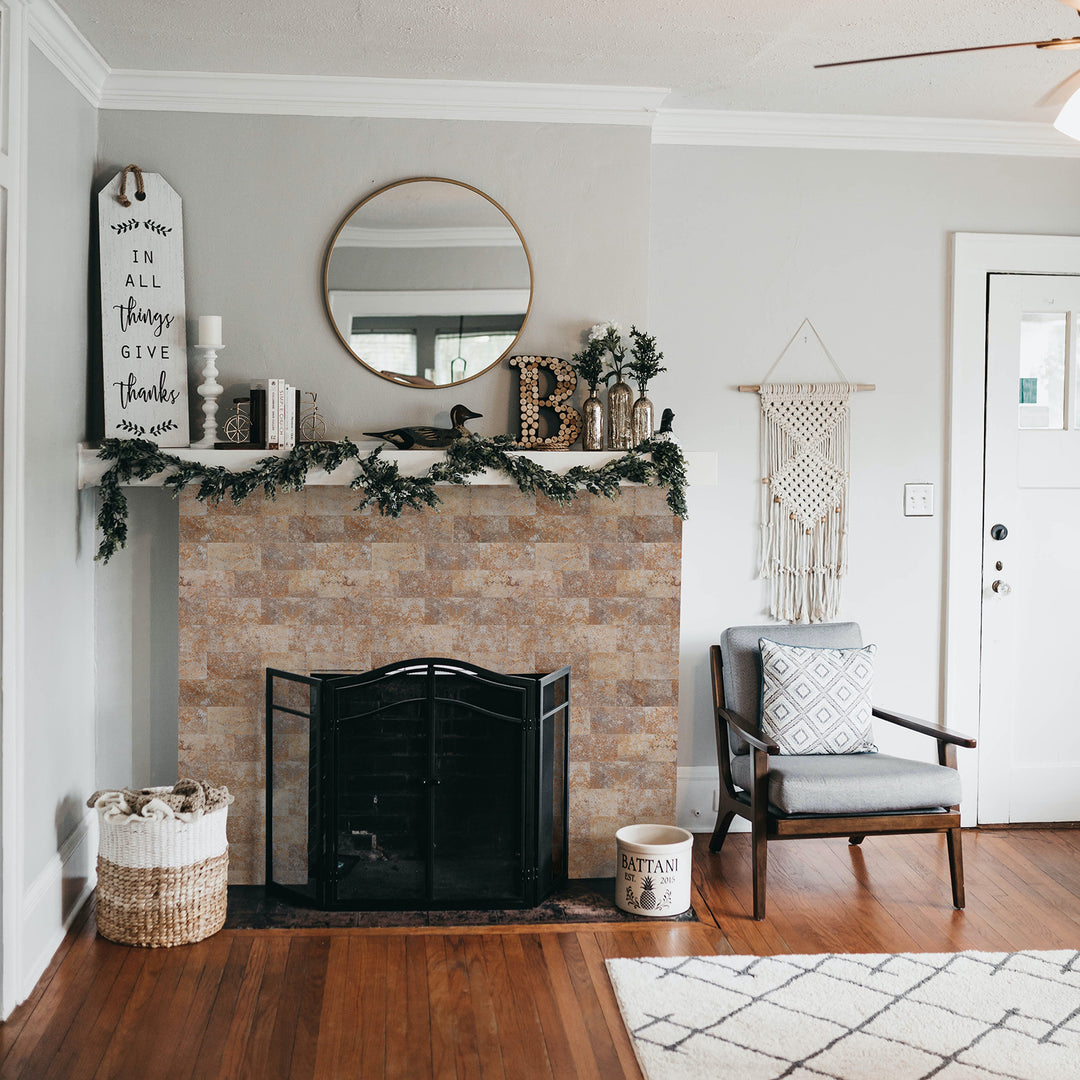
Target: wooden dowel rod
[[862, 387]]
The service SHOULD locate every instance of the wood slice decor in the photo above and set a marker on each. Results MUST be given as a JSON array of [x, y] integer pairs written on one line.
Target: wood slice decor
[[558, 401], [143, 328]]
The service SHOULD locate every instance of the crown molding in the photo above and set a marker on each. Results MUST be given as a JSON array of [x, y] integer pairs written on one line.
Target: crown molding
[[814, 131], [429, 99], [421, 99], [61, 41]]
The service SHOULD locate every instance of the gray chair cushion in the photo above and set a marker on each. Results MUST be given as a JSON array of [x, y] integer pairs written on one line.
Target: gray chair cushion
[[741, 658], [852, 783]]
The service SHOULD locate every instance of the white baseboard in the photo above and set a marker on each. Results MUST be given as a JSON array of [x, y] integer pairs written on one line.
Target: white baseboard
[[53, 900], [695, 788]]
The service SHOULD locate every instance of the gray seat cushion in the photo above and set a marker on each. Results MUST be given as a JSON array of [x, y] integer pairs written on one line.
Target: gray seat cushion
[[741, 658], [852, 783]]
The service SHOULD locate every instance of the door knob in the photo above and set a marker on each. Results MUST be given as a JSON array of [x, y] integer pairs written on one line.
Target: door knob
[[1002, 588]]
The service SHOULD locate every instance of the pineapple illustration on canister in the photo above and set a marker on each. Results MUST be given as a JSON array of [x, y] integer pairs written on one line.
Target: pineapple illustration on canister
[[648, 897]]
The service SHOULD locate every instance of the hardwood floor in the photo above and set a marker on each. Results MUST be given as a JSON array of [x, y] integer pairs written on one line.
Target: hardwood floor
[[512, 1002]]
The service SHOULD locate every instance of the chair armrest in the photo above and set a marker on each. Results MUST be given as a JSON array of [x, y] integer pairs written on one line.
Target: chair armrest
[[941, 734], [747, 734]]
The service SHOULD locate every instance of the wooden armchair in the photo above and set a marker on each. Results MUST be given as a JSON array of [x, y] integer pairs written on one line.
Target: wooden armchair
[[790, 796]]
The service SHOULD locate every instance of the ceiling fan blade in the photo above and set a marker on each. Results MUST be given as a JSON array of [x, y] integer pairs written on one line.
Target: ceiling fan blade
[[1062, 92], [1051, 43]]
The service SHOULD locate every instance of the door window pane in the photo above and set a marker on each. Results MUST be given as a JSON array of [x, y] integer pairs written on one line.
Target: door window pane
[[1042, 370]]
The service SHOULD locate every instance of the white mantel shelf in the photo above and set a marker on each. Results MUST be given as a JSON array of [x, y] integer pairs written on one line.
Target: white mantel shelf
[[701, 465]]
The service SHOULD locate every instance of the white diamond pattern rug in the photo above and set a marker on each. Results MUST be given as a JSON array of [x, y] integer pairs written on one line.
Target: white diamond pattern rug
[[908, 1016]]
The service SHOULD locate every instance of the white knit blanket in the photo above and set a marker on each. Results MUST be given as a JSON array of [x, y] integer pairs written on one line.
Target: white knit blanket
[[187, 800]]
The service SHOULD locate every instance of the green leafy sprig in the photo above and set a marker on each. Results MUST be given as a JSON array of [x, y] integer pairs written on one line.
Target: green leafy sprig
[[588, 365], [654, 462], [644, 364]]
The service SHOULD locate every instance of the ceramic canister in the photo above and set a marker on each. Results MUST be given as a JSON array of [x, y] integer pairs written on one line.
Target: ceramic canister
[[652, 869]]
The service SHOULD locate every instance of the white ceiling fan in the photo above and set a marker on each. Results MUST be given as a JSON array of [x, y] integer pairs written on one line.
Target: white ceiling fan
[[1068, 90]]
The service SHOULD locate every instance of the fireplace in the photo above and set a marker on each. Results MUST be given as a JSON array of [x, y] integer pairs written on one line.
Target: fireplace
[[504, 580], [423, 784]]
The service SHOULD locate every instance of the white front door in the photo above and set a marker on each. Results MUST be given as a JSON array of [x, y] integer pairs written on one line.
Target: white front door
[[1030, 686]]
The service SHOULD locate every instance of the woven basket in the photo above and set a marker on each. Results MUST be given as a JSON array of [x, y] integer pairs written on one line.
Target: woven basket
[[162, 882]]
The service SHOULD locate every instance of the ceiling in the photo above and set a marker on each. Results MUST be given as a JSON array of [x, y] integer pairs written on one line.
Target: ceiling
[[755, 55]]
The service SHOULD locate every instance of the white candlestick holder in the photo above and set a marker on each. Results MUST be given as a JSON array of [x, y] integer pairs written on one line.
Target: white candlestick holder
[[209, 390]]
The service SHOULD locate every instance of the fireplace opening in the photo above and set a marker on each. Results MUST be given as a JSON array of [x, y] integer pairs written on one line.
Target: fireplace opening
[[427, 784]]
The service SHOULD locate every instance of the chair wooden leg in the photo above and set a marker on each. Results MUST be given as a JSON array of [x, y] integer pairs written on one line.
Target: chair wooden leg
[[759, 795], [723, 823], [956, 867], [760, 858], [856, 839]]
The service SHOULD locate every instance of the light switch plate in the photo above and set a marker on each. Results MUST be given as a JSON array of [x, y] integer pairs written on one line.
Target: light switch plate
[[918, 500]]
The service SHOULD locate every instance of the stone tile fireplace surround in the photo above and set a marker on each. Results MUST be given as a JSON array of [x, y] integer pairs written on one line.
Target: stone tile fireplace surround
[[501, 579]]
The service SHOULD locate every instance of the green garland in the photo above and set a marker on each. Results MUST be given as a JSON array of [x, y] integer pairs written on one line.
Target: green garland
[[656, 462]]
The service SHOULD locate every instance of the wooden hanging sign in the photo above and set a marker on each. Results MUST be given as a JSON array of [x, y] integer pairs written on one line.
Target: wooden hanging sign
[[143, 311]]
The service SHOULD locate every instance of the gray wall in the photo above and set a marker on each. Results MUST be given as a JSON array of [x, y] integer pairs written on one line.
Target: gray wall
[[263, 195], [745, 244], [136, 615], [58, 611], [720, 252]]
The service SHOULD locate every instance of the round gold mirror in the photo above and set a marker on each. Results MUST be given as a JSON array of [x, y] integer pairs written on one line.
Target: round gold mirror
[[428, 282]]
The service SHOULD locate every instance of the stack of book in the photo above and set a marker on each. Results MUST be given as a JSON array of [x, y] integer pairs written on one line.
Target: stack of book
[[274, 416], [277, 405]]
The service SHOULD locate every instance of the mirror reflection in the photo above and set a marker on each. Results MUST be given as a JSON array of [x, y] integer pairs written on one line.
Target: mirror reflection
[[428, 282]]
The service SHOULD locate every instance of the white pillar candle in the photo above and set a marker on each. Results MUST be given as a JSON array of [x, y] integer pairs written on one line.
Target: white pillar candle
[[209, 331]]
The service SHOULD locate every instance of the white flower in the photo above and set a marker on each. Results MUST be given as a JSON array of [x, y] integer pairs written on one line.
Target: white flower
[[601, 330]]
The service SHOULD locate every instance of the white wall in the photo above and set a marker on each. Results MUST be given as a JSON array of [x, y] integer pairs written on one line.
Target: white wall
[[57, 536], [745, 244]]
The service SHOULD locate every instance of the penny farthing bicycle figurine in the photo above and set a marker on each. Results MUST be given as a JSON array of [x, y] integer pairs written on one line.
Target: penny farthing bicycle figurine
[[238, 426], [312, 425]]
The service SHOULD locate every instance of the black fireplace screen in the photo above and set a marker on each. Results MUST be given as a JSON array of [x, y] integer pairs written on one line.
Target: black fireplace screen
[[424, 784]]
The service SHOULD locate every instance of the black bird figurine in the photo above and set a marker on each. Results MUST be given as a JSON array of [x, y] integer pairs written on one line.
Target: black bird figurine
[[666, 420], [429, 438]]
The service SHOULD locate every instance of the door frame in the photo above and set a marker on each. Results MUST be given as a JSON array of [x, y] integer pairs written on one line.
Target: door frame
[[974, 257]]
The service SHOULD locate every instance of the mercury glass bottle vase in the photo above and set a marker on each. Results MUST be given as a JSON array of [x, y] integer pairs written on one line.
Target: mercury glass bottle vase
[[619, 400], [592, 422], [641, 420]]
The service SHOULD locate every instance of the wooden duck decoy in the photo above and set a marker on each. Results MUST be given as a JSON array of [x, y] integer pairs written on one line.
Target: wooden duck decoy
[[667, 432], [429, 438]]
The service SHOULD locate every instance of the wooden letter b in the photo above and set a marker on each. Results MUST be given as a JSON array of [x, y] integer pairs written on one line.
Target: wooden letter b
[[558, 401]]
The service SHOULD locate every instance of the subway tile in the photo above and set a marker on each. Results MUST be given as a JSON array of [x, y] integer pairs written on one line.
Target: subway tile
[[236, 556], [397, 556], [482, 529], [316, 529], [343, 555], [648, 692]]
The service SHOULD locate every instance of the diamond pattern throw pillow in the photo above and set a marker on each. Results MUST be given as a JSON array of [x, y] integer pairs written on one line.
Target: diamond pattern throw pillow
[[817, 701]]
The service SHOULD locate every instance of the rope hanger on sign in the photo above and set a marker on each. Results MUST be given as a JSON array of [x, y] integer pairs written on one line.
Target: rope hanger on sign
[[140, 191], [805, 469]]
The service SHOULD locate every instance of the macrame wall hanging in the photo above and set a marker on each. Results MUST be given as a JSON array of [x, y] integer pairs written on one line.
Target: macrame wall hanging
[[805, 469]]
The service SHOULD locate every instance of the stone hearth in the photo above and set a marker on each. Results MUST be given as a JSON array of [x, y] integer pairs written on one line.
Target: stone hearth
[[504, 580]]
